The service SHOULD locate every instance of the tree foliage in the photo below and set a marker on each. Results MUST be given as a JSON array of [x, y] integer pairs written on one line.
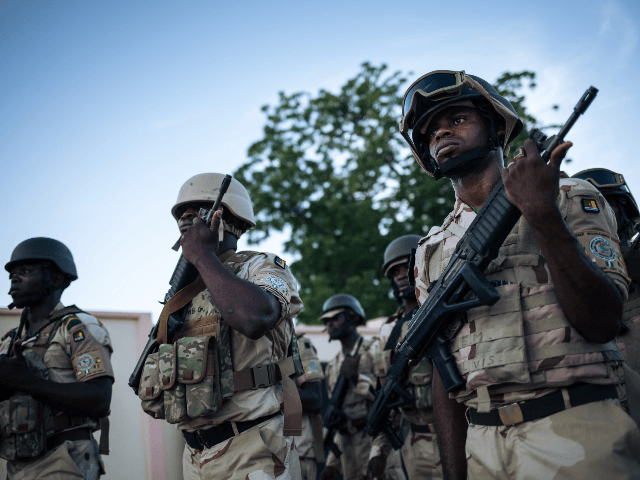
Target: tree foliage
[[333, 169]]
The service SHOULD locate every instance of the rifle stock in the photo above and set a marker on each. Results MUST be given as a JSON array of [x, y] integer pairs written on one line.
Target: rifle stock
[[183, 275], [433, 326]]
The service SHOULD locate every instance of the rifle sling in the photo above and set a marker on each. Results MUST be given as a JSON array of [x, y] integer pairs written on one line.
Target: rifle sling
[[175, 303]]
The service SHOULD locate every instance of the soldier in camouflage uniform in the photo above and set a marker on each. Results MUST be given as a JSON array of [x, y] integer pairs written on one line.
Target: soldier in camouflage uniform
[[56, 387], [539, 365], [223, 377], [420, 450], [615, 190], [341, 314], [309, 384]]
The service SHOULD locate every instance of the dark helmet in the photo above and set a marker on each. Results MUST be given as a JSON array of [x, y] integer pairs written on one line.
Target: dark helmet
[[399, 251], [340, 302], [44, 249], [439, 89], [612, 184]]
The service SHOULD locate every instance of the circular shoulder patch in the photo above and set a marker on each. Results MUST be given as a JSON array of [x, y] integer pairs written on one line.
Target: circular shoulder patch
[[85, 362], [313, 367], [278, 283], [601, 248]]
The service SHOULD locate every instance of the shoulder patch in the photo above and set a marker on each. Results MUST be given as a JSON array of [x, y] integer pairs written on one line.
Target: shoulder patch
[[590, 205], [78, 336], [280, 262], [71, 322]]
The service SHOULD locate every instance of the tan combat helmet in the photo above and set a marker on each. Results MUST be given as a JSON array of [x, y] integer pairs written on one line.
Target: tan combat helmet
[[205, 188], [442, 88]]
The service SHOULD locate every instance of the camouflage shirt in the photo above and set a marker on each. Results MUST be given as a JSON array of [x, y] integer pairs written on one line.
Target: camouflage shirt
[[269, 272], [536, 314], [80, 350]]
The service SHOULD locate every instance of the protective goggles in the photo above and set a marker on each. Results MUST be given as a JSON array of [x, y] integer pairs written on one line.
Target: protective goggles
[[602, 178], [432, 86]]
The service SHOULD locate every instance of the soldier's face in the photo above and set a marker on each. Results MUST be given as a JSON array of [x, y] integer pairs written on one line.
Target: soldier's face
[[336, 325], [187, 212], [399, 275], [26, 279], [454, 131]]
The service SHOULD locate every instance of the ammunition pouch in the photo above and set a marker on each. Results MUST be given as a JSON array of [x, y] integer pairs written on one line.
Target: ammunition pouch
[[25, 424]]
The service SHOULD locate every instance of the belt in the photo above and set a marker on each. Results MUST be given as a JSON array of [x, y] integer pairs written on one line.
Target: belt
[[428, 428], [512, 414], [201, 439], [58, 439]]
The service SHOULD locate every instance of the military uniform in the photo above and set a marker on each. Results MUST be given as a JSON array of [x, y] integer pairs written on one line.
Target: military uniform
[[420, 452], [352, 439], [73, 347], [524, 348], [309, 444], [248, 440]]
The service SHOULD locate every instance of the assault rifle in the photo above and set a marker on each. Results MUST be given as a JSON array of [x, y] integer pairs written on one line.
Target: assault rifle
[[183, 275], [432, 327]]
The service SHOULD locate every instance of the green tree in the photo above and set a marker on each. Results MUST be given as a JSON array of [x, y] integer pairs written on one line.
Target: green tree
[[333, 169]]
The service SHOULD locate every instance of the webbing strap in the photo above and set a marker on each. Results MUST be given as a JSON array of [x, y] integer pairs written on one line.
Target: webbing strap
[[539, 300], [571, 348], [492, 360], [545, 325], [175, 303], [486, 335], [292, 406]]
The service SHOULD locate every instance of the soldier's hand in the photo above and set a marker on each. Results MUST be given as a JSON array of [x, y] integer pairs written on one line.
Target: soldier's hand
[[199, 241], [14, 371], [375, 468], [531, 184], [329, 473], [349, 369], [632, 261]]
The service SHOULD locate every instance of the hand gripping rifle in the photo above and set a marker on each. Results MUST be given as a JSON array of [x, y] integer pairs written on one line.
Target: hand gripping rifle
[[431, 329], [183, 275]]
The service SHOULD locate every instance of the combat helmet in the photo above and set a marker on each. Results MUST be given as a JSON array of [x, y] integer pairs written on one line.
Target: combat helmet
[[613, 184], [442, 88], [339, 303], [205, 188], [44, 249], [399, 251]]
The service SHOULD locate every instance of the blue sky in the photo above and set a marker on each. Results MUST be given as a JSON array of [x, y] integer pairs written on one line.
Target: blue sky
[[108, 107]]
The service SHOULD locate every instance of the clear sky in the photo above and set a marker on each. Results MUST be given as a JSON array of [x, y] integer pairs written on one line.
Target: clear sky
[[107, 108]]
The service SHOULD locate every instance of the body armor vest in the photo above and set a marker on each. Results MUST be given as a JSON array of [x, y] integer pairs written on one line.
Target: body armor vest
[[524, 341], [194, 375]]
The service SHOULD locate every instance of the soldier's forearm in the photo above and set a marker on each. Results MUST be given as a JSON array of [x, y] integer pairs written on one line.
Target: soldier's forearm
[[91, 398], [588, 298]]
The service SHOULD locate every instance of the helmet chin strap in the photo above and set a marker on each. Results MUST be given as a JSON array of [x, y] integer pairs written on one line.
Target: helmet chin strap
[[402, 294]]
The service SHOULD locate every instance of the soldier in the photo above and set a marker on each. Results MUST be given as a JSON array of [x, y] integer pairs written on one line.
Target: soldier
[[539, 364], [420, 451], [341, 314], [309, 444], [223, 377], [56, 382]]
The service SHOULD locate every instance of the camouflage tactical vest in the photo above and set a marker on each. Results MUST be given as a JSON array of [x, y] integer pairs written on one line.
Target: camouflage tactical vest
[[194, 375], [524, 341]]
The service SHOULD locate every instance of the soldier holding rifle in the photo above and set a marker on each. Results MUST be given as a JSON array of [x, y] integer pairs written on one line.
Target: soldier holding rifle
[[539, 397], [224, 376]]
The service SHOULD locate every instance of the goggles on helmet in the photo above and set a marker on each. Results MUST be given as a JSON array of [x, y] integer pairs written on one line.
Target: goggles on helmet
[[432, 86], [602, 178]]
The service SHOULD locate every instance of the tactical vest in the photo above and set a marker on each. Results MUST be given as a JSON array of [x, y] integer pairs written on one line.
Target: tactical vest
[[419, 376], [26, 423], [524, 341], [194, 375]]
